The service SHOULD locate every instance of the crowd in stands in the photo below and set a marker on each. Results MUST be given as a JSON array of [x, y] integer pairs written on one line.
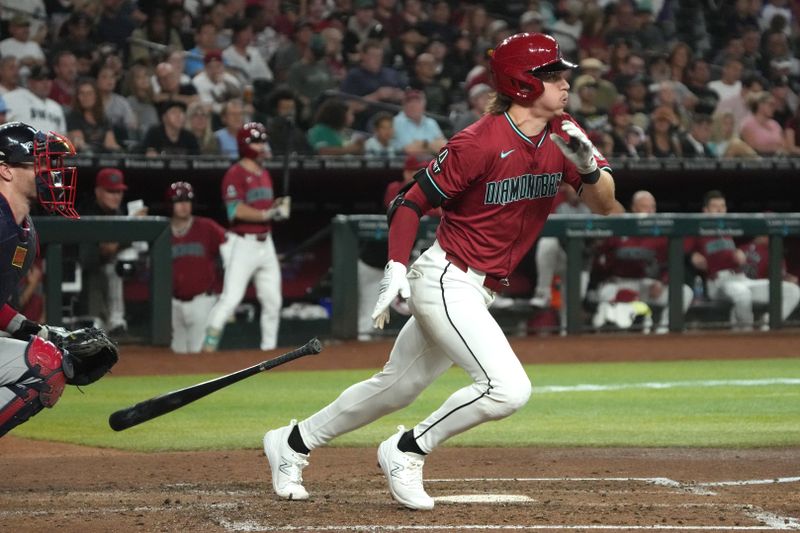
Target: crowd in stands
[[656, 78]]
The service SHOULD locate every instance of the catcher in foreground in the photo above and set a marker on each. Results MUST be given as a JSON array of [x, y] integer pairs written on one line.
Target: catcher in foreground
[[37, 361]]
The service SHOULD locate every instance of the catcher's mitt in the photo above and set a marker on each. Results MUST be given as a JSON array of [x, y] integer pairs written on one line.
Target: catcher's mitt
[[88, 354]]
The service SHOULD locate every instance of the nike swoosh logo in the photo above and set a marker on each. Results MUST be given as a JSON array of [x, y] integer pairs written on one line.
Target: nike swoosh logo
[[503, 155]]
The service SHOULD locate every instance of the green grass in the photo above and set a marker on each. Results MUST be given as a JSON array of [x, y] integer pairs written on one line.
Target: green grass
[[236, 417]]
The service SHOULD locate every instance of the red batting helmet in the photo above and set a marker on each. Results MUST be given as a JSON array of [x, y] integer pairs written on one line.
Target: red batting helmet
[[250, 133], [180, 191], [516, 61]]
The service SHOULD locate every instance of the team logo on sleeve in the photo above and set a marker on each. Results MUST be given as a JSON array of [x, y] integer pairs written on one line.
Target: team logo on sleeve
[[230, 192]]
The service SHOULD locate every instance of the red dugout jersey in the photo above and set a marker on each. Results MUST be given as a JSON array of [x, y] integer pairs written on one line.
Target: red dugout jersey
[[633, 257], [239, 185], [194, 259], [498, 187], [720, 253]]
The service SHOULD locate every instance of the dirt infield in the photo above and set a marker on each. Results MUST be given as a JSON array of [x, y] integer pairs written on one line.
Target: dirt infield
[[70, 488]]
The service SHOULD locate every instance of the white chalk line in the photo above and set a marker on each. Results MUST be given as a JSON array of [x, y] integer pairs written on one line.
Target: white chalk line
[[660, 385], [253, 526]]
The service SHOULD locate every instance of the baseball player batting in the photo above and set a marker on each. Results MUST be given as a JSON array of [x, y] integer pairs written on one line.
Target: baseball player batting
[[249, 251], [195, 273], [33, 371], [495, 182]]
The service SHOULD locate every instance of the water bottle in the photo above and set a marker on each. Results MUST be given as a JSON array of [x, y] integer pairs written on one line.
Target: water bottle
[[698, 289]]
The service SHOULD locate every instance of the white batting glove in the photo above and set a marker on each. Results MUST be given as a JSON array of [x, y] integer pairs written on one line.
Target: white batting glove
[[394, 282], [280, 210], [579, 150]]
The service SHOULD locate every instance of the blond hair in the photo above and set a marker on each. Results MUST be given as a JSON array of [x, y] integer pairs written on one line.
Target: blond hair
[[498, 104]]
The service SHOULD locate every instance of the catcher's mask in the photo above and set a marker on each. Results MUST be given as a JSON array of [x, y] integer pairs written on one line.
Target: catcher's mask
[[55, 182]]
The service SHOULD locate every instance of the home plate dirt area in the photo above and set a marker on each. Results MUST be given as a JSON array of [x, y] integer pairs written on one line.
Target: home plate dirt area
[[49, 486]]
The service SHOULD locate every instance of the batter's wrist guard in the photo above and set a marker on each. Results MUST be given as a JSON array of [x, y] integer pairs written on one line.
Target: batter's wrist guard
[[591, 178]]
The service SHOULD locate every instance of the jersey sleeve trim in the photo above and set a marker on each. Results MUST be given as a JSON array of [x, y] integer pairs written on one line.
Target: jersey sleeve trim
[[230, 209], [433, 193]]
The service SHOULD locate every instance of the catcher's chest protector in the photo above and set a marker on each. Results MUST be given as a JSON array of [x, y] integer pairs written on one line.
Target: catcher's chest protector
[[39, 385]]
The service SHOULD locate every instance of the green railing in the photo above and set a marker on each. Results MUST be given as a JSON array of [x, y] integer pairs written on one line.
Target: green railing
[[54, 232], [348, 230]]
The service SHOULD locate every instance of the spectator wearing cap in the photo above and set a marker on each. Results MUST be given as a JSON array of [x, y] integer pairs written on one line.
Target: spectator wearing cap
[[625, 144], [416, 133], [531, 22], [662, 140], [140, 98], [478, 98], [760, 130], [9, 74], [87, 125], [102, 293], [696, 141], [328, 134], [362, 23], [169, 87], [33, 106], [312, 75], [638, 100], [244, 58], [233, 118], [380, 143], [291, 51], [20, 45], [117, 109], [588, 113], [155, 30], [606, 93], [171, 136], [214, 84], [65, 70]]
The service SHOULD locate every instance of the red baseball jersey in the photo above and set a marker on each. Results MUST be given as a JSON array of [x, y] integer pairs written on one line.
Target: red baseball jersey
[[633, 257], [498, 187], [239, 185], [720, 253], [194, 259]]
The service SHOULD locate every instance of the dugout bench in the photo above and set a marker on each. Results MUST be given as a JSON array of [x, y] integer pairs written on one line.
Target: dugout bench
[[349, 230]]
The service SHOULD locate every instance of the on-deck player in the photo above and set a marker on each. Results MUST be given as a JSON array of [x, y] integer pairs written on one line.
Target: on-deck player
[[495, 182], [251, 208], [196, 243], [31, 167]]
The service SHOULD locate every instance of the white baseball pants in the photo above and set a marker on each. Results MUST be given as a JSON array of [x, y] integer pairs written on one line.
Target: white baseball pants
[[450, 325], [245, 257], [189, 319], [743, 292]]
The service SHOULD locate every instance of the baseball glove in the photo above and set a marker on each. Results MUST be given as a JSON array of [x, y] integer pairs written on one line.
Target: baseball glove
[[88, 354]]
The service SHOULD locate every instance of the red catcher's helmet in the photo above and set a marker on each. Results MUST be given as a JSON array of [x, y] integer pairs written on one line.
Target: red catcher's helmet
[[56, 183], [516, 61], [180, 191], [250, 133]]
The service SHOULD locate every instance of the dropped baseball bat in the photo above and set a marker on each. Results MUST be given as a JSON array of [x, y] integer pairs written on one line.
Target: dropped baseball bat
[[166, 403]]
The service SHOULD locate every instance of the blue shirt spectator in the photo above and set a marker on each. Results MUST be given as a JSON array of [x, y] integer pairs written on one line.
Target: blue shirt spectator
[[414, 132]]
